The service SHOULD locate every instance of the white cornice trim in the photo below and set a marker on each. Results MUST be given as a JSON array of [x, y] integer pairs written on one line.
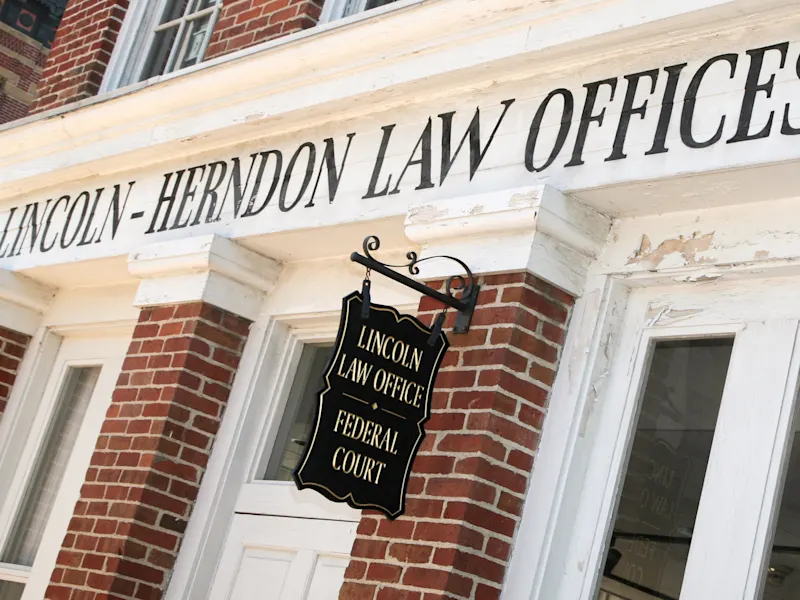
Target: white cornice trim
[[537, 228], [208, 268], [25, 292], [352, 70], [22, 302]]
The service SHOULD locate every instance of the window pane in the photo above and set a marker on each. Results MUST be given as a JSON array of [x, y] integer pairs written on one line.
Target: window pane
[[159, 52], [298, 417], [10, 590], [59, 439], [193, 48], [174, 10], [669, 455], [377, 3], [783, 568]]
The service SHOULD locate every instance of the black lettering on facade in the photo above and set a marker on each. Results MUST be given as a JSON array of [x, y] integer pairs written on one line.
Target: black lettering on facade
[[71, 221], [251, 210], [424, 161], [210, 193], [46, 248], [16, 247], [84, 241], [167, 198], [687, 116], [31, 224], [188, 197], [235, 185], [312, 161], [115, 211], [476, 153], [786, 127], [536, 125], [376, 171], [628, 110], [7, 226], [752, 88], [667, 104], [588, 117], [334, 174]]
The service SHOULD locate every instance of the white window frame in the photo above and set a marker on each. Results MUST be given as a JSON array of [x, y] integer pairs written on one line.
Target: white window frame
[[340, 9], [24, 424], [581, 461], [138, 33]]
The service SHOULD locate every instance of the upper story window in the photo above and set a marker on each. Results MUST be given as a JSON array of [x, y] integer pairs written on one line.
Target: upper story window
[[38, 19], [337, 9], [162, 36]]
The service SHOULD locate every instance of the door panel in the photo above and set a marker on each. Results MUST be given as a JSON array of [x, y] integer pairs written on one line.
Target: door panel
[[280, 558]]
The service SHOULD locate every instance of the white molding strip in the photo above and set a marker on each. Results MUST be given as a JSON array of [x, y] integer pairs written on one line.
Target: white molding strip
[[208, 268]]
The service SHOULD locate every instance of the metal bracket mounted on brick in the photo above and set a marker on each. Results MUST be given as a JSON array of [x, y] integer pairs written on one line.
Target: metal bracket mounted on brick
[[465, 285]]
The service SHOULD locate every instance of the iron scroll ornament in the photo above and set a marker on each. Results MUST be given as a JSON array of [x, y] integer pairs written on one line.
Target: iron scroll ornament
[[465, 284]]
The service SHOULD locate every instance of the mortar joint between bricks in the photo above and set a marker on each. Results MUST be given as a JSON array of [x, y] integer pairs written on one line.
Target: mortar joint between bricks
[[509, 445]]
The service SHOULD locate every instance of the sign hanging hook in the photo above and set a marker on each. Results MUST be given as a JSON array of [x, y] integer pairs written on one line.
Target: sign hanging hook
[[466, 284]]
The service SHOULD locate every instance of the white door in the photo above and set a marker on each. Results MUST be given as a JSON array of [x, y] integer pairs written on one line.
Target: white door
[[286, 544], [47, 439], [693, 489]]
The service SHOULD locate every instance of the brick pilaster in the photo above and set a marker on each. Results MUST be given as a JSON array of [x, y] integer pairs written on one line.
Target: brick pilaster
[[145, 473], [12, 349], [81, 52], [471, 474], [243, 23]]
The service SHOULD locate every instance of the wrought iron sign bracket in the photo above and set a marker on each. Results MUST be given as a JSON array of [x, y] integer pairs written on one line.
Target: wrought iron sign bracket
[[465, 284]]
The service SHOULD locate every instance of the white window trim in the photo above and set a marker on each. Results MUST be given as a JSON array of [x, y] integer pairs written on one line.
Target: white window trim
[[25, 422], [335, 10], [130, 53]]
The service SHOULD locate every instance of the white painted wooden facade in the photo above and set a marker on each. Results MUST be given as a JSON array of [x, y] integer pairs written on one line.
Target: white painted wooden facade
[[685, 242]]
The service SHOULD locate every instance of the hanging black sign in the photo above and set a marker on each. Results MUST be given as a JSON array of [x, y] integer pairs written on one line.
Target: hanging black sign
[[373, 406]]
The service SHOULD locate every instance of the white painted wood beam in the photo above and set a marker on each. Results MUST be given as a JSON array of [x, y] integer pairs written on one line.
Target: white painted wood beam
[[535, 228], [22, 302], [206, 268]]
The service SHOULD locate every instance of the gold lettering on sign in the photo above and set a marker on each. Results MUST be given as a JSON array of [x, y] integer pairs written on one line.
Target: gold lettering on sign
[[359, 466], [398, 387], [366, 431], [390, 348]]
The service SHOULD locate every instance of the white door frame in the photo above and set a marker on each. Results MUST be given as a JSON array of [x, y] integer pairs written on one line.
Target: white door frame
[[252, 417], [546, 551]]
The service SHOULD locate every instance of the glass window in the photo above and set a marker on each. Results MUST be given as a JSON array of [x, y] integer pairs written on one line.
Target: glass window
[[40, 493], [180, 37], [159, 37], [298, 416], [336, 9], [664, 479], [782, 580]]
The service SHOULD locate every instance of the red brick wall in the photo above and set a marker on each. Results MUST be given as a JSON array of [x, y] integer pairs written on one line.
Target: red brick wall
[[145, 473], [470, 477], [243, 23], [12, 349], [80, 52], [21, 63]]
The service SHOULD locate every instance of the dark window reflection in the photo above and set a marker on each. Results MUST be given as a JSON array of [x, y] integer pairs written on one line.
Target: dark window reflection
[[783, 567], [664, 479]]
